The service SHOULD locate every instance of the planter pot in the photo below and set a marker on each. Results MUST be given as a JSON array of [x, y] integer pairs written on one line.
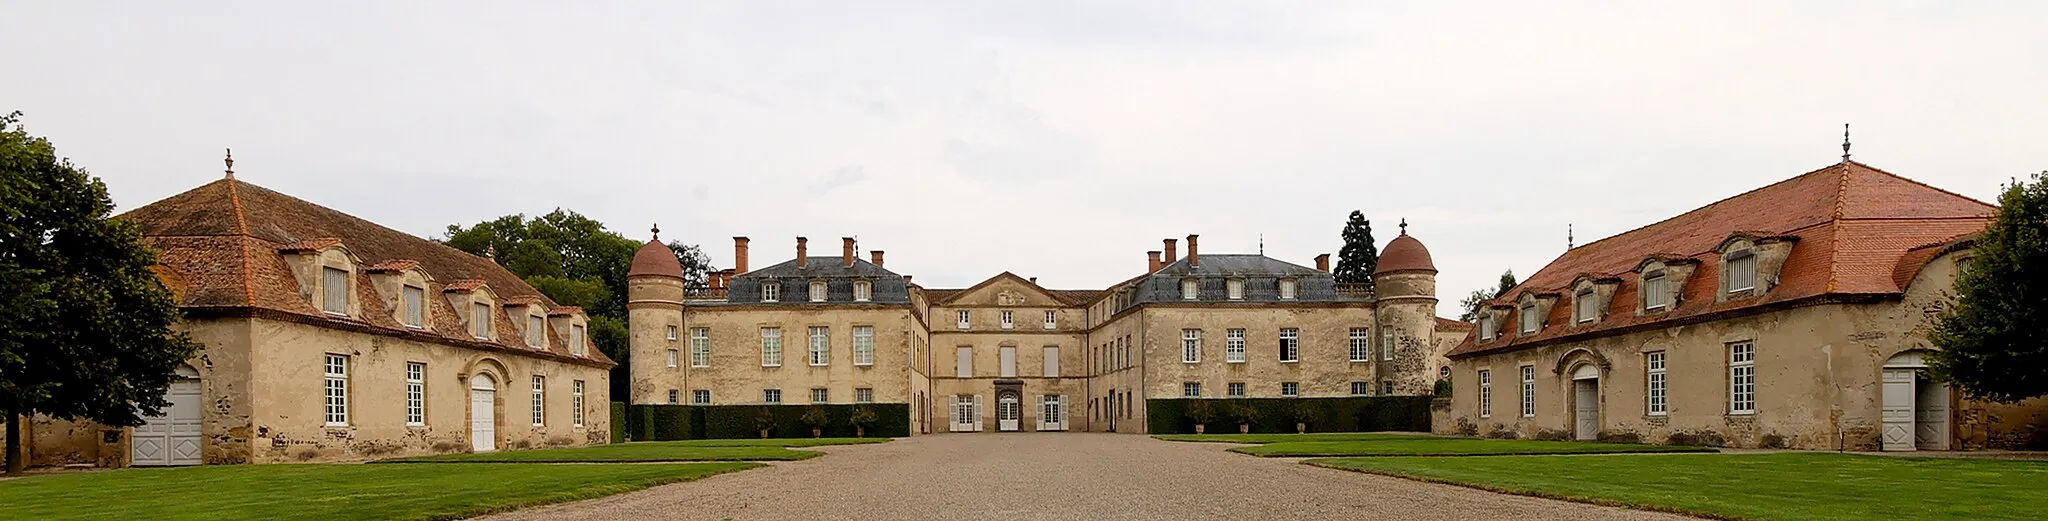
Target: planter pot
[[1244, 428], [1300, 428], [1200, 429], [817, 432], [764, 434]]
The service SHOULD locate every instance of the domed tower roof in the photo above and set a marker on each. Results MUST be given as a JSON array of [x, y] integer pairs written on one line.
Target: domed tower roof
[[655, 258], [1404, 253]]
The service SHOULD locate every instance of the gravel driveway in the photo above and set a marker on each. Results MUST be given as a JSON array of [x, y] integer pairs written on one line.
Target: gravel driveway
[[1033, 476]]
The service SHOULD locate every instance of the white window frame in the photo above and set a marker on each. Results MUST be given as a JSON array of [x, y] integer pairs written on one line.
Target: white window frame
[[1585, 306], [820, 346], [415, 394], [675, 357], [863, 395], [1191, 346], [863, 291], [577, 346], [480, 320], [1191, 389], [1190, 289], [1530, 322], [1656, 387], [821, 395], [863, 346], [1528, 391], [1487, 329], [540, 399], [1052, 322], [700, 396], [771, 347], [1485, 393], [1052, 413], [966, 318], [675, 397], [1234, 389], [771, 396], [1233, 346], [535, 324], [1742, 377], [820, 291], [1290, 389], [1361, 344], [576, 403], [335, 371], [1008, 319], [1742, 262], [1288, 288], [1386, 344], [415, 299], [334, 302], [771, 291], [672, 333], [1361, 388], [700, 347], [1290, 345], [1654, 291], [1234, 289]]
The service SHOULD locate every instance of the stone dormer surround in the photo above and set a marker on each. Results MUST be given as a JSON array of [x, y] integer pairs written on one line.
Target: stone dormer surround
[[564, 321], [1603, 290], [1502, 315], [308, 261], [463, 294], [522, 311], [1771, 252], [390, 278], [1676, 269], [1542, 301]]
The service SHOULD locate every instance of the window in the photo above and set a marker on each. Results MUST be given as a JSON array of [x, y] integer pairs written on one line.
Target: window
[[1741, 272], [700, 347], [415, 394], [1051, 321], [1585, 308], [1361, 388], [480, 320], [1050, 413], [1290, 345], [1233, 346], [337, 390], [1742, 378], [1386, 344], [671, 333], [334, 294], [863, 291], [1052, 362], [415, 307], [1007, 316], [817, 291], [1236, 389], [1528, 391], [1487, 329], [1190, 346], [1529, 321], [534, 325], [1443, 372], [1361, 344], [1287, 289], [963, 362], [771, 347], [576, 403], [1386, 387], [863, 345], [821, 346], [1485, 393], [674, 358], [1234, 289], [1008, 357], [698, 396], [1191, 389], [1290, 389], [1190, 289], [576, 344], [674, 396], [1655, 295], [863, 395], [821, 395], [771, 291], [964, 316], [1654, 363], [771, 396], [540, 391]]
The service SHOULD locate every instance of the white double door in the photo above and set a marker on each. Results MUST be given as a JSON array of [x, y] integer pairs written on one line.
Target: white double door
[[1915, 411], [1009, 413], [172, 438]]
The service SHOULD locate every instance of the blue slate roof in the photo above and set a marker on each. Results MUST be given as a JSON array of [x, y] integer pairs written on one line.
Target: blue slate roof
[[888, 286]]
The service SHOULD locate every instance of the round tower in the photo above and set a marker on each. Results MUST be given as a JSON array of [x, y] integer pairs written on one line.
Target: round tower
[[1404, 283], [654, 307]]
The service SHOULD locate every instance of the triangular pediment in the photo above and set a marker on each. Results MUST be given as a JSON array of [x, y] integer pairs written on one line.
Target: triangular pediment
[[1005, 289]]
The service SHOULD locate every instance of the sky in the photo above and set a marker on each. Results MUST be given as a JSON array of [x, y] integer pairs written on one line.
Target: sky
[[1057, 140]]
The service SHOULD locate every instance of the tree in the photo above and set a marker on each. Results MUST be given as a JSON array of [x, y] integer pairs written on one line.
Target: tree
[[1990, 339], [1475, 302], [696, 265], [88, 332], [1358, 258]]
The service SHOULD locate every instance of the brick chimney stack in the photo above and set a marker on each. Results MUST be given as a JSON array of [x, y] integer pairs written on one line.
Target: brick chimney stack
[[803, 253], [846, 251], [1323, 263], [1034, 281], [1152, 261], [875, 256], [1194, 252], [739, 255], [1172, 252]]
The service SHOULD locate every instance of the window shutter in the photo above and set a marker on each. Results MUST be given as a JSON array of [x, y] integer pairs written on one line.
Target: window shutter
[[953, 411], [976, 418]]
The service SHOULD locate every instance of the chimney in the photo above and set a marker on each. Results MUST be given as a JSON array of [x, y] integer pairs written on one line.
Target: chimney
[[1194, 252], [739, 255], [906, 281], [875, 256], [1172, 252], [1152, 261], [1323, 263], [1034, 281], [846, 251], [803, 252]]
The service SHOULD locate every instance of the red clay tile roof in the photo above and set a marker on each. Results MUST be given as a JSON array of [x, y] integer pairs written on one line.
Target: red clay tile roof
[[1445, 323], [1857, 229], [654, 258], [1404, 253], [218, 246], [464, 285]]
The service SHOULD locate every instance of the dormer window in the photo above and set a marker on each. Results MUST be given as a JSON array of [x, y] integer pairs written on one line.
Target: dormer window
[[770, 291], [863, 291], [480, 320], [1190, 289], [415, 302], [1487, 329], [1235, 288], [1656, 296], [535, 331], [576, 346], [817, 291], [1528, 319], [334, 297], [1741, 275], [1585, 307], [1287, 289]]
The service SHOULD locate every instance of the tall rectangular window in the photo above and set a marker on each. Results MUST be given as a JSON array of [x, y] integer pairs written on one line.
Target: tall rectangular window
[[1190, 346], [1290, 345], [1654, 292], [1487, 329], [1528, 391], [534, 325], [576, 344], [821, 395], [1741, 272], [1007, 357], [1654, 363], [480, 320], [771, 396], [415, 307], [415, 394], [1008, 319], [671, 333], [1361, 344], [963, 362], [1742, 378], [540, 391], [863, 395], [1485, 393], [1290, 389], [821, 346], [1052, 361], [863, 345], [334, 295], [700, 347], [1234, 289], [1387, 344], [818, 292], [1286, 289], [1190, 289], [699, 396], [1191, 389], [964, 317], [337, 390], [1585, 307], [1235, 389], [1528, 319], [771, 291], [863, 291], [771, 347], [1052, 321], [1233, 345], [674, 358], [576, 403]]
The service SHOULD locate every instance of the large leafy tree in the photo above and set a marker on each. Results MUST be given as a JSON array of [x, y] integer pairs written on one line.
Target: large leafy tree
[[88, 331], [1358, 258], [1475, 302], [1992, 342]]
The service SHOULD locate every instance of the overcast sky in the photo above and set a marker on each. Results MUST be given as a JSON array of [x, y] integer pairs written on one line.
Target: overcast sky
[[1058, 140]]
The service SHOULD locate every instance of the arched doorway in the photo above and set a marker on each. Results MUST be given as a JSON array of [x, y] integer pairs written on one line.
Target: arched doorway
[[1586, 402], [1916, 413], [1009, 412], [172, 438], [483, 413]]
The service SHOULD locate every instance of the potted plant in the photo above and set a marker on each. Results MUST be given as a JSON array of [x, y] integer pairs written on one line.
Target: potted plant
[[764, 419], [1245, 415], [1202, 412], [862, 417], [1299, 411], [816, 417]]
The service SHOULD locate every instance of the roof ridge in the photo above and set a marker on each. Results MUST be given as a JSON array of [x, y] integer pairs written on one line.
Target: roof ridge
[[1922, 185], [242, 231], [1841, 208], [1706, 206]]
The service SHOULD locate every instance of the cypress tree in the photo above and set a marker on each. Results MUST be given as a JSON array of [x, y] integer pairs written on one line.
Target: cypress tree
[[1356, 261]]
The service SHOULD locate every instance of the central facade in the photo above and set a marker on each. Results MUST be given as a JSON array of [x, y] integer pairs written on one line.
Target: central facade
[[1009, 355]]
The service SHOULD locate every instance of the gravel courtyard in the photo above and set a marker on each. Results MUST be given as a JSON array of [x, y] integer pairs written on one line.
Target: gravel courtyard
[[1059, 476]]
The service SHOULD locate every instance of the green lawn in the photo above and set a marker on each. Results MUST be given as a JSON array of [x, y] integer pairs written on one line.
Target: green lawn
[[1282, 438], [1778, 486], [341, 492], [774, 442], [653, 451], [1449, 447]]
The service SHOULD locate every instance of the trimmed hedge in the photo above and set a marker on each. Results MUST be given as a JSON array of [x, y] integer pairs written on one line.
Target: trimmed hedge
[[618, 422], [1276, 415], [695, 422]]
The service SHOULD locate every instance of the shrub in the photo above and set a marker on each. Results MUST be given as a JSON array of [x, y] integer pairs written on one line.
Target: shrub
[[1619, 437], [1772, 441], [1202, 412], [815, 416], [1278, 415], [619, 422], [1697, 439], [1501, 432], [1467, 428], [1551, 435], [680, 422], [1443, 387]]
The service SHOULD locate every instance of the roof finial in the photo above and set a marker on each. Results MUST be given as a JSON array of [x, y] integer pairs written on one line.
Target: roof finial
[[1569, 239], [657, 232], [231, 163], [490, 251], [1262, 245], [1404, 226], [1845, 142]]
